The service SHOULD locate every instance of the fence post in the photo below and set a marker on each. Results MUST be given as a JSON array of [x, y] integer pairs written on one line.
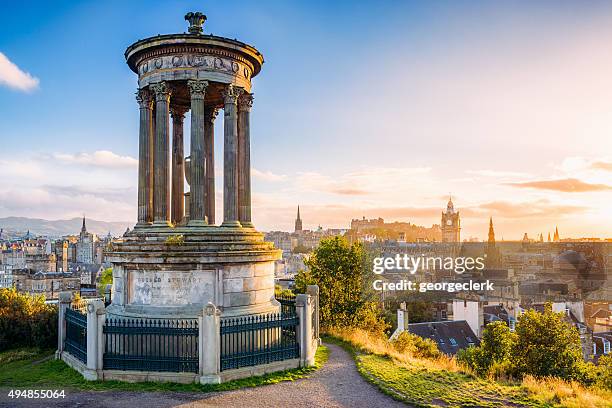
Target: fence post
[[313, 290], [108, 294], [65, 299], [303, 306], [209, 344], [94, 309]]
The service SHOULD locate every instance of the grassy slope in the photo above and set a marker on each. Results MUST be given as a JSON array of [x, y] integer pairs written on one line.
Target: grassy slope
[[33, 368], [424, 385]]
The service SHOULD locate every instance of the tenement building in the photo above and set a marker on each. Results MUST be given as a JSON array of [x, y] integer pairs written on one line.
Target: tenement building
[[177, 259]]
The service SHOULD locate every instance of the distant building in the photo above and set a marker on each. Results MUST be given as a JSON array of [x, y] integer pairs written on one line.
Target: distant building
[[450, 336], [85, 246], [298, 221], [451, 224]]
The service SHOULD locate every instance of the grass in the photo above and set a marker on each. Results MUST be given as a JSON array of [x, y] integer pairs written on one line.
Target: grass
[[31, 368], [443, 382]]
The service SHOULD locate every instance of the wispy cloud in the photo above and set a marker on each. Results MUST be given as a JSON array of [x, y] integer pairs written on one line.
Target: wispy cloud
[[496, 173], [602, 165], [267, 175], [539, 209], [569, 185], [369, 180], [100, 158], [13, 77]]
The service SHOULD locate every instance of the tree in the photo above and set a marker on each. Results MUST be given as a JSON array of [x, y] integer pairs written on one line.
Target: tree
[[105, 279], [494, 350], [546, 345], [341, 270]]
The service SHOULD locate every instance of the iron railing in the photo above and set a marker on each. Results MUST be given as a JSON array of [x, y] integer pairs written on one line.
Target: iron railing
[[151, 345], [76, 334], [287, 304], [258, 339]]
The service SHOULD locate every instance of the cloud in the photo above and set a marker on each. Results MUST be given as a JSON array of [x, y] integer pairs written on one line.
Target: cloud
[[267, 175], [569, 185], [602, 165], [100, 158], [367, 181], [539, 209], [13, 77], [497, 173]]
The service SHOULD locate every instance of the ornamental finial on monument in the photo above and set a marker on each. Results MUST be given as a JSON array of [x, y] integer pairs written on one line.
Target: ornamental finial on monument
[[196, 20]]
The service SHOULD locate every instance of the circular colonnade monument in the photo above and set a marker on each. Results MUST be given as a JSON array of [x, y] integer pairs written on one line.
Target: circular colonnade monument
[[176, 260]]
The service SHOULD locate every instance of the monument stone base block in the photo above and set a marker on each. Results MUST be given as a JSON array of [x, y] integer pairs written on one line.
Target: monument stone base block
[[175, 272]]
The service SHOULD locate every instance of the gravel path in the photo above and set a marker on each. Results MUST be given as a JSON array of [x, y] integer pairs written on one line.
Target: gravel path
[[336, 384]]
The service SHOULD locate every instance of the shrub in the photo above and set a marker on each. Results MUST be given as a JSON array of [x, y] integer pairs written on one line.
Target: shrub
[[26, 321], [604, 372], [416, 346], [546, 345], [342, 272]]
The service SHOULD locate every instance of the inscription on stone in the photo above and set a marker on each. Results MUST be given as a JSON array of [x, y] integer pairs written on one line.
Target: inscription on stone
[[171, 288]]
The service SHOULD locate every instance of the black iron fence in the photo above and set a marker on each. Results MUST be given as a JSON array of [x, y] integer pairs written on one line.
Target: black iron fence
[[76, 333], [151, 345], [259, 339], [287, 304]]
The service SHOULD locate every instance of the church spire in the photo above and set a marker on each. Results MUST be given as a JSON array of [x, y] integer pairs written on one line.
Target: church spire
[[298, 221], [491, 232], [83, 228], [556, 236]]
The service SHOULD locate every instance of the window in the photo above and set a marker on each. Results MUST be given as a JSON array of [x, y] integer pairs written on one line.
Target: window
[[606, 346], [453, 341], [469, 339]]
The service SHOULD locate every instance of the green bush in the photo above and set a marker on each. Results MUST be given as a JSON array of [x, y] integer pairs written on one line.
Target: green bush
[[417, 346], [26, 321], [343, 272], [546, 345], [604, 372], [493, 356]]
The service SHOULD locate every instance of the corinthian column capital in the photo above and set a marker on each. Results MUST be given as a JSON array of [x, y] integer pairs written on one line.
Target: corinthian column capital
[[162, 91], [197, 89], [178, 113], [210, 114], [231, 94], [245, 102], [144, 98]]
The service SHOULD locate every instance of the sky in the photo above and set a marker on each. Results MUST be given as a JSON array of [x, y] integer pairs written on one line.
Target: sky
[[361, 109]]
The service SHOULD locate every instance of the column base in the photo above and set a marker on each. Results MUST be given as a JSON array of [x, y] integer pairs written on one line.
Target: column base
[[197, 223], [231, 224], [142, 225], [161, 224], [247, 224]]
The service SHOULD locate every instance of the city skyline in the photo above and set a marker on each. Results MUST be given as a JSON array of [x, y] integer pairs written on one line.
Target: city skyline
[[512, 116]]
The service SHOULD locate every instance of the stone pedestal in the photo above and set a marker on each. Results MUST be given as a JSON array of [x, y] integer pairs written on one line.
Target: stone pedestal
[[178, 271]]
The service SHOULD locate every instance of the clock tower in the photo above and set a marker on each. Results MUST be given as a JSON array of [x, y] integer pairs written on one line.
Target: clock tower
[[451, 224]]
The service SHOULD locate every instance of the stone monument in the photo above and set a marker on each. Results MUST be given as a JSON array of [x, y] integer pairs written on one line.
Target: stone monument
[[176, 260]]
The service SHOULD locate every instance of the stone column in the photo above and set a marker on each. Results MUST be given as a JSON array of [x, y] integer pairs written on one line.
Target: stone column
[[244, 160], [209, 344], [161, 175], [178, 165], [197, 90], [95, 339], [65, 299], [303, 308], [145, 158], [210, 114], [313, 291], [230, 157]]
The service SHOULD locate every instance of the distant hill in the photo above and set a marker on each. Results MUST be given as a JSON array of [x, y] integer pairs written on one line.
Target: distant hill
[[18, 226]]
